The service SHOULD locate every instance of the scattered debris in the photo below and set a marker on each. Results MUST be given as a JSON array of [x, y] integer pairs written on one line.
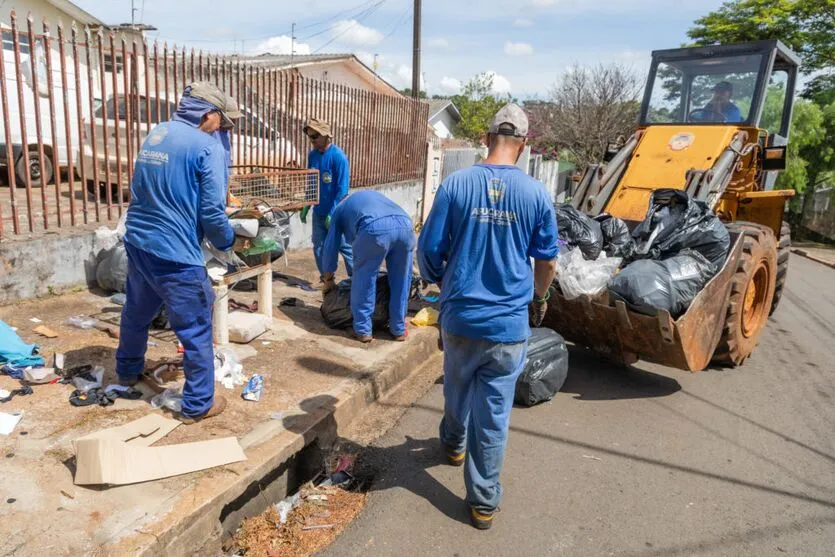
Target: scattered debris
[[426, 317], [39, 375], [592, 457], [170, 398], [4, 393], [253, 388], [45, 331], [250, 308], [293, 281], [119, 299], [292, 302], [65, 494], [286, 505], [86, 380], [152, 343], [228, 368], [22, 391], [82, 322], [317, 526], [277, 416], [35, 320], [8, 421]]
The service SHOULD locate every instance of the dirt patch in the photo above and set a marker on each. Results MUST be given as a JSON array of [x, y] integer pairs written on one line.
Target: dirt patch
[[312, 526]]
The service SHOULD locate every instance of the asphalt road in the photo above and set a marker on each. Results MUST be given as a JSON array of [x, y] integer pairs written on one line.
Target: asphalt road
[[643, 462]]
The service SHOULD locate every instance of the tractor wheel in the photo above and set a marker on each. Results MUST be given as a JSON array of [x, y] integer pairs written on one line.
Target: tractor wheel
[[783, 249], [752, 292]]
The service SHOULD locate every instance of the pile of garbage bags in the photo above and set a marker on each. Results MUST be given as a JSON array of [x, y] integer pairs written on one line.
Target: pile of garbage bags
[[265, 231], [546, 367], [336, 305], [663, 263]]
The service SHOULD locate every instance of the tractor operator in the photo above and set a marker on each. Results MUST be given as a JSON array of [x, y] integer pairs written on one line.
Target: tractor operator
[[721, 105]]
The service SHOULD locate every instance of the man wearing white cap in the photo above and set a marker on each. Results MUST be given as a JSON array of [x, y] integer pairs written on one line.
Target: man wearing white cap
[[486, 223]]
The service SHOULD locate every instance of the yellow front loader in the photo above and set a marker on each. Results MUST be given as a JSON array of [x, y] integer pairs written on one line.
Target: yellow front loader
[[715, 123]]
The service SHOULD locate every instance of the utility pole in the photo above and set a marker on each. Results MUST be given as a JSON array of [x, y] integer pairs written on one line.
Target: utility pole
[[416, 53], [132, 13], [292, 43]]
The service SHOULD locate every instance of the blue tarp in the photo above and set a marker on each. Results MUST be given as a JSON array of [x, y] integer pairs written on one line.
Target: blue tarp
[[16, 353]]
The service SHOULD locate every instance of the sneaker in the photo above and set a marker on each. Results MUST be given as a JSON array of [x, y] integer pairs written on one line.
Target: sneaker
[[218, 407], [481, 520], [365, 339], [454, 458], [401, 338]]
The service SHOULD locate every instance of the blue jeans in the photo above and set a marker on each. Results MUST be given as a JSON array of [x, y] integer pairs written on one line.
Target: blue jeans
[[320, 233], [479, 383], [392, 240], [187, 294]]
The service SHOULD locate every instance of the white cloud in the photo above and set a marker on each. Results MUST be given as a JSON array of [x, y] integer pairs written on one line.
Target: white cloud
[[281, 44], [354, 33], [501, 85], [439, 43], [403, 78], [449, 86], [517, 49], [522, 22]]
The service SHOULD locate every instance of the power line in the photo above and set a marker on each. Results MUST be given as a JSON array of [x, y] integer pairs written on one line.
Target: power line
[[358, 16], [367, 13], [329, 19]]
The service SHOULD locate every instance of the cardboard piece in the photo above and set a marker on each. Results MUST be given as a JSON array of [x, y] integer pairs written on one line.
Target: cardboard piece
[[43, 330], [123, 455]]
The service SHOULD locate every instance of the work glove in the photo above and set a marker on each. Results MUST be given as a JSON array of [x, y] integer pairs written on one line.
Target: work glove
[[328, 284], [537, 309], [303, 214], [328, 222]]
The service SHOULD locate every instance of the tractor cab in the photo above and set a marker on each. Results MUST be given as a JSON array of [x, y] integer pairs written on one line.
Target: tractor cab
[[748, 85]]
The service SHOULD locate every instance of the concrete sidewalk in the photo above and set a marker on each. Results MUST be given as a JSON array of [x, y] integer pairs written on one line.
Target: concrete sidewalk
[[318, 379], [825, 255]]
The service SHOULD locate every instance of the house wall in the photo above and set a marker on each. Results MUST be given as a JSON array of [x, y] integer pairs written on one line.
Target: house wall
[[39, 10], [345, 72], [443, 124]]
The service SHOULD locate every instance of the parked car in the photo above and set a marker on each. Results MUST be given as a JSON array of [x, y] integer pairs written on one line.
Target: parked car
[[40, 171], [258, 141]]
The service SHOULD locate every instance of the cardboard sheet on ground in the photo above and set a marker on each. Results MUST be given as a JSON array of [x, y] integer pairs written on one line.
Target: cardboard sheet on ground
[[123, 455]]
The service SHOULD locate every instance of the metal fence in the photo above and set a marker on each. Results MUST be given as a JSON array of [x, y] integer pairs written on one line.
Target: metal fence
[[77, 104]]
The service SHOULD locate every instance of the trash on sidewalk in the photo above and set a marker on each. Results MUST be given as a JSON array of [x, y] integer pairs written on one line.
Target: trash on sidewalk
[[39, 375], [123, 455], [82, 322], [16, 354], [253, 388], [45, 331], [546, 368], [169, 398], [579, 276], [112, 269], [23, 391], [228, 368], [336, 305], [8, 421], [104, 396], [293, 281], [88, 380], [286, 505], [119, 299], [35, 320], [292, 302], [245, 327], [426, 317], [247, 308]]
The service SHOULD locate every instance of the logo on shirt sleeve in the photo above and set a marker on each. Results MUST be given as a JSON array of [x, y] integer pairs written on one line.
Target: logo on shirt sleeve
[[326, 177]]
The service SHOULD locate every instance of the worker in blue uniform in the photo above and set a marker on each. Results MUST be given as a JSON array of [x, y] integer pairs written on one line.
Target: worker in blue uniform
[[378, 230], [178, 199], [721, 108], [486, 224], [334, 179]]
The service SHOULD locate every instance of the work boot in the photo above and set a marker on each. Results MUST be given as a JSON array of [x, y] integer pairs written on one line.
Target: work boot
[[365, 339], [129, 382], [218, 407], [454, 458], [401, 338], [481, 520]]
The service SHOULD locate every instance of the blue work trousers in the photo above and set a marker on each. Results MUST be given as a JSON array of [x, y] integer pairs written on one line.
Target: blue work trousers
[[188, 297], [479, 384], [320, 233], [392, 240]]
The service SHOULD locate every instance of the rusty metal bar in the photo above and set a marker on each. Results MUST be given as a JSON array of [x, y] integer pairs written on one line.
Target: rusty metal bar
[[273, 111], [116, 125], [191, 64], [81, 124], [37, 105], [147, 88], [261, 115], [93, 141], [239, 153], [132, 147], [156, 83], [249, 124], [108, 185], [134, 91], [7, 130], [53, 124], [283, 115], [199, 62]]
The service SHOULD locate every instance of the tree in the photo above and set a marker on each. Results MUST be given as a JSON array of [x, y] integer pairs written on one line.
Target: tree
[[477, 103], [806, 26], [408, 92], [806, 133], [591, 107]]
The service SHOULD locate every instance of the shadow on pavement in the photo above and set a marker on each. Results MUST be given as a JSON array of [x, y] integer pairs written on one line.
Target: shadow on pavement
[[591, 377]]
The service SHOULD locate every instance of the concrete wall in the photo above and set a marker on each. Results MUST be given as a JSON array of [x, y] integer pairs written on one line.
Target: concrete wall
[[443, 124], [57, 262]]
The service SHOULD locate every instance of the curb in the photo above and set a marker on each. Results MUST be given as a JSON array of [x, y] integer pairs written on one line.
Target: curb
[[807, 255], [200, 518]]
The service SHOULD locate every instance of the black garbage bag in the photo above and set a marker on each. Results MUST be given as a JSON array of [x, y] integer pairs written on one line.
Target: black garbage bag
[[336, 306], [617, 240], [112, 269], [546, 368], [649, 285], [579, 230], [676, 222]]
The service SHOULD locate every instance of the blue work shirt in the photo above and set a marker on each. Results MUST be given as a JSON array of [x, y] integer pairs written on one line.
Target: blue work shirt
[[485, 224], [178, 194], [334, 178], [354, 213], [732, 113]]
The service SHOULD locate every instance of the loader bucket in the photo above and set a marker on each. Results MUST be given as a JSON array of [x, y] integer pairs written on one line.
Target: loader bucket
[[626, 336]]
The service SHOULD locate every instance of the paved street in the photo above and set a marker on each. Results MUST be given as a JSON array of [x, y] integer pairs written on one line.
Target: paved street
[[645, 462]]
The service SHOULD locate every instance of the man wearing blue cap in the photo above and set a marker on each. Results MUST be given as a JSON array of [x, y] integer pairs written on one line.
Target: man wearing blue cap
[[178, 198], [486, 224]]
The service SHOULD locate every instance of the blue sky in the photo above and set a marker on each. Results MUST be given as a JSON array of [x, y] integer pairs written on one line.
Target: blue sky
[[527, 43]]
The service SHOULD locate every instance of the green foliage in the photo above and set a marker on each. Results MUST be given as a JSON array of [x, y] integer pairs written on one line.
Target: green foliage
[[806, 133], [477, 104], [408, 92]]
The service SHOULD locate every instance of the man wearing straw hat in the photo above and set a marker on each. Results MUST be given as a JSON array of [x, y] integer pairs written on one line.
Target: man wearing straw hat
[[334, 178], [178, 198]]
